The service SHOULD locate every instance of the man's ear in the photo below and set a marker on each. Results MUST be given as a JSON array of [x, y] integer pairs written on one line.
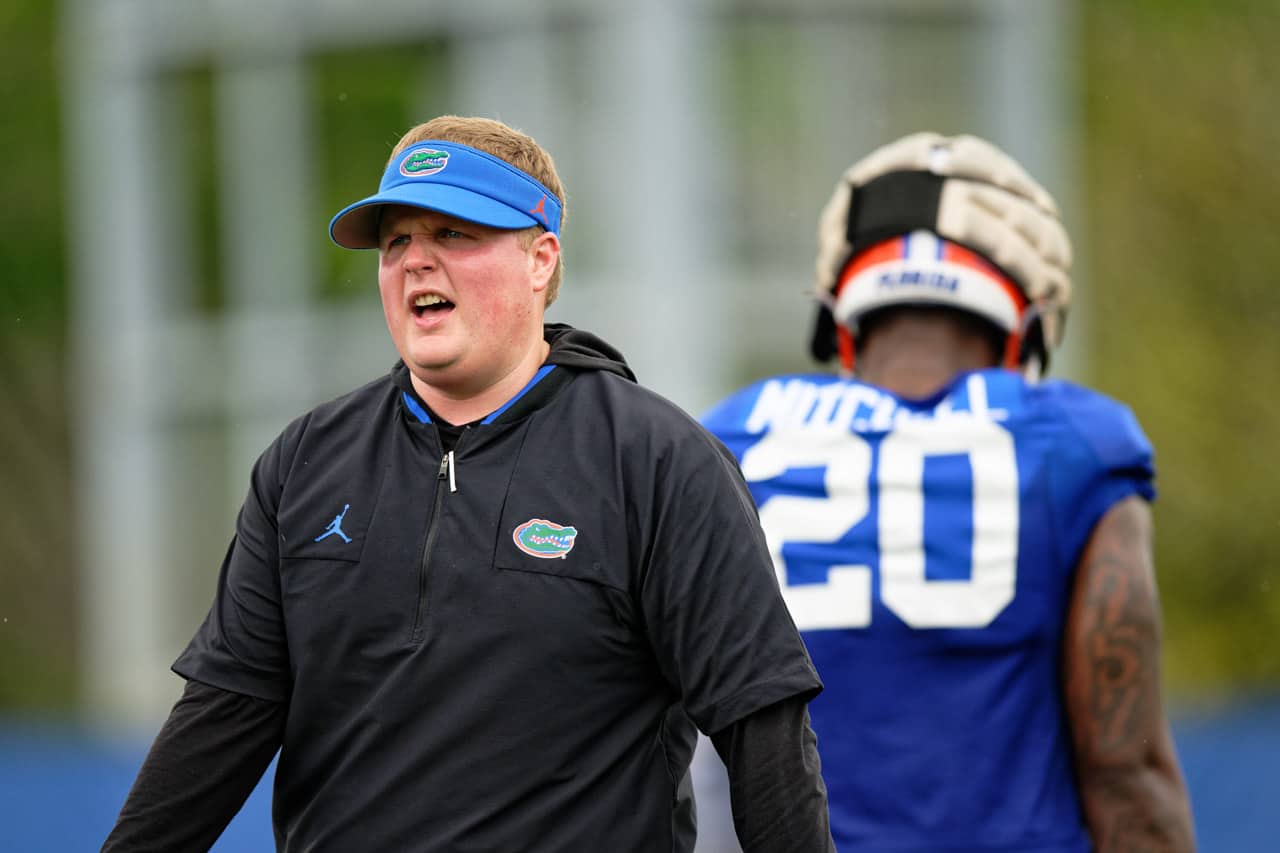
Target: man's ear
[[544, 254]]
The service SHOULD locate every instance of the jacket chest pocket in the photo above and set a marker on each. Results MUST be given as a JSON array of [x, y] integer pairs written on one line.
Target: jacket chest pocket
[[345, 571], [327, 517], [561, 584]]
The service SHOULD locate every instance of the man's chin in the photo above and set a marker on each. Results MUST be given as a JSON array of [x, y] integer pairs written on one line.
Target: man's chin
[[429, 357], [433, 372], [437, 373]]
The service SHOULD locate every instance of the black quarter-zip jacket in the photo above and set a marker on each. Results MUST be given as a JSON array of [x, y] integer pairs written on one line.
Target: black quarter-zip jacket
[[499, 646]]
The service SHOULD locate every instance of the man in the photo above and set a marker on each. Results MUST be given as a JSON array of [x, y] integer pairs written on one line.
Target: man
[[966, 550], [477, 602]]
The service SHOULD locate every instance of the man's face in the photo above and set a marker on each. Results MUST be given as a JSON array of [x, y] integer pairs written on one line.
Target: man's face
[[463, 302]]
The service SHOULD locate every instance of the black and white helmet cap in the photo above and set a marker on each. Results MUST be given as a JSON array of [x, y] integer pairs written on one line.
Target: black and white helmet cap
[[966, 191]]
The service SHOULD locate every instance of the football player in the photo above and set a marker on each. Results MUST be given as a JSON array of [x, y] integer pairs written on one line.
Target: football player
[[966, 549]]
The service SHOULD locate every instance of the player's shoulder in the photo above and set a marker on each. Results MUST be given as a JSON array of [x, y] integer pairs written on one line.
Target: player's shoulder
[[340, 419], [347, 412], [766, 399], [334, 423], [637, 423], [1108, 426], [628, 403]]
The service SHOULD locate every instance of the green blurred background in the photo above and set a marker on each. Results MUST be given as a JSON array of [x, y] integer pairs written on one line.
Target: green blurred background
[[1174, 205], [38, 630], [1180, 193]]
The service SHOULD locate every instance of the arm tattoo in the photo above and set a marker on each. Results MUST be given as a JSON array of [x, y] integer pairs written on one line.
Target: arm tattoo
[[1121, 638], [1131, 787]]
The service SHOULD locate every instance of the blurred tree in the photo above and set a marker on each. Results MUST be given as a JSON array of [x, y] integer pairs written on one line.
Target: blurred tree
[[1182, 186], [37, 603], [1183, 200]]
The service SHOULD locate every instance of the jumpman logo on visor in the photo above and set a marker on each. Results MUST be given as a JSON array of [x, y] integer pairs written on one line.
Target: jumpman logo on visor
[[540, 209]]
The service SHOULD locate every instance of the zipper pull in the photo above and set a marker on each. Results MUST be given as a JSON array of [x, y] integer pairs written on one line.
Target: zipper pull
[[447, 469]]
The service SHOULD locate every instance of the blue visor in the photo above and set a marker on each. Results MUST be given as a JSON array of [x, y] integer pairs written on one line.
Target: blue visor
[[456, 180]]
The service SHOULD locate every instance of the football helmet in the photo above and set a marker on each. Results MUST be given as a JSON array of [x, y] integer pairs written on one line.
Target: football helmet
[[1003, 254]]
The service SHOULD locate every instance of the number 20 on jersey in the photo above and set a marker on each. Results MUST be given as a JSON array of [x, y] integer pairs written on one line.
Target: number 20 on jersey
[[843, 599]]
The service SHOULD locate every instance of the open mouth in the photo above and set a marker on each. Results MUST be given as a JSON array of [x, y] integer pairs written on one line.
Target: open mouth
[[430, 303]]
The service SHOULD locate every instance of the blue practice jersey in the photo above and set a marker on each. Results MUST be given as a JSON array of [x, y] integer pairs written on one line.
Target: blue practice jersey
[[927, 551]]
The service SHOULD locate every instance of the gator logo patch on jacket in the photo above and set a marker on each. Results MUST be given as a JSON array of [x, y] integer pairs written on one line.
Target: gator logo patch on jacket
[[538, 537]]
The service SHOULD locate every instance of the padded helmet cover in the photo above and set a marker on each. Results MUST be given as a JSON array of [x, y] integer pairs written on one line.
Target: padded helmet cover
[[963, 189]]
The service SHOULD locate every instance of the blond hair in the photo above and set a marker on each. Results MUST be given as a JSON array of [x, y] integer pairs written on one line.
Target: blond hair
[[505, 143]]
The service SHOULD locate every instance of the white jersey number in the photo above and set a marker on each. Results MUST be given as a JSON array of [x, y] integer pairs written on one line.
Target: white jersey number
[[843, 600]]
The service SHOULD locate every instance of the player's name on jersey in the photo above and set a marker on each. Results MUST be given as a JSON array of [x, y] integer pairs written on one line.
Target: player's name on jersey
[[844, 404]]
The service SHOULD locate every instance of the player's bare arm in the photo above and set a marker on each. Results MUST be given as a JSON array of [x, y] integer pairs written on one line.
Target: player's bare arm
[[1131, 786]]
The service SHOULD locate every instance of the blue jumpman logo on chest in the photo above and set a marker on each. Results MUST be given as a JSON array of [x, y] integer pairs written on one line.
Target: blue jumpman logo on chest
[[335, 527]]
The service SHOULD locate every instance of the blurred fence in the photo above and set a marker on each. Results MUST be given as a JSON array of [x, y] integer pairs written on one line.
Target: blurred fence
[[696, 140], [60, 791], [779, 94]]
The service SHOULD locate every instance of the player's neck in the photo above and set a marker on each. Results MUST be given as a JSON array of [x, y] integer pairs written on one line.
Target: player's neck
[[917, 359]]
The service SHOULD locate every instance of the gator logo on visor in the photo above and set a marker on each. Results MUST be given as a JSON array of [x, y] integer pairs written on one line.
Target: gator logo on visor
[[538, 537], [428, 161]]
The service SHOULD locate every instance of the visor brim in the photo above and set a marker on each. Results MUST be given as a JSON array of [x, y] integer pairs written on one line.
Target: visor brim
[[356, 226]]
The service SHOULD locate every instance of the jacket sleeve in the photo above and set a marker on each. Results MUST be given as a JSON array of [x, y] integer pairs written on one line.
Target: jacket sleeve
[[776, 790], [204, 763], [714, 613], [241, 646]]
